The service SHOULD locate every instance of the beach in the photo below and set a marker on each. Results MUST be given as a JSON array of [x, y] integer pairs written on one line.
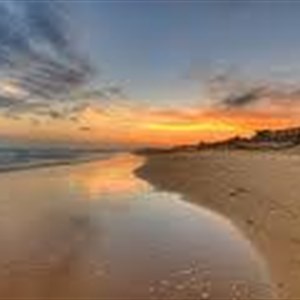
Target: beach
[[258, 191], [94, 230]]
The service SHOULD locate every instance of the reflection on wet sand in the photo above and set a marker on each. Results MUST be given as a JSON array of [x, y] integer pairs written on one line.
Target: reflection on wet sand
[[112, 177], [55, 244]]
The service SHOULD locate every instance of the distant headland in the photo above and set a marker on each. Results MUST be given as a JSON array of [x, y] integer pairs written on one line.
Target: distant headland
[[265, 139]]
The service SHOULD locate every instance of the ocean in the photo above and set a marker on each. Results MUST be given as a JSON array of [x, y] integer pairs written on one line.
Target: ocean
[[14, 158]]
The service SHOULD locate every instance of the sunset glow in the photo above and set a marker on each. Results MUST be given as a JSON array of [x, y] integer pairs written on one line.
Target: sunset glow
[[196, 79], [117, 126]]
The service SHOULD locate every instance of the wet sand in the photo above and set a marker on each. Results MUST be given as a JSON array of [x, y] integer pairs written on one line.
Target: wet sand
[[96, 231], [259, 192]]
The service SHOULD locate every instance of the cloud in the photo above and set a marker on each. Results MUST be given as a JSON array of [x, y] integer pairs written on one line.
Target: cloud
[[42, 72], [110, 92], [40, 61], [6, 101], [228, 88], [85, 128], [243, 98]]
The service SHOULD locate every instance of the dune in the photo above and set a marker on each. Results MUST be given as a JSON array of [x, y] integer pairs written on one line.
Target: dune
[[258, 191]]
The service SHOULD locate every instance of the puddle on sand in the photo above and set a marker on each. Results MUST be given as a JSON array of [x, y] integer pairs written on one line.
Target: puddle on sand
[[95, 231]]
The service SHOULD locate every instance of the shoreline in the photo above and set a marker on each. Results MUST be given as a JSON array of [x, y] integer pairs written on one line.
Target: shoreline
[[50, 163], [257, 191]]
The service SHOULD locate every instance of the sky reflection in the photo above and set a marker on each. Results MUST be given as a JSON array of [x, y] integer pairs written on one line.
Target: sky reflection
[[133, 243], [112, 177]]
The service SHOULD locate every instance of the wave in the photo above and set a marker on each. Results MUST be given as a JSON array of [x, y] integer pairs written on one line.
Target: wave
[[12, 159]]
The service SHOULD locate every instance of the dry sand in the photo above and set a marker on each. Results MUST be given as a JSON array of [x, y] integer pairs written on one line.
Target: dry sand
[[258, 191]]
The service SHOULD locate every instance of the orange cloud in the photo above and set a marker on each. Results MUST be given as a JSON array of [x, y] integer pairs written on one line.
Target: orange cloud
[[140, 125]]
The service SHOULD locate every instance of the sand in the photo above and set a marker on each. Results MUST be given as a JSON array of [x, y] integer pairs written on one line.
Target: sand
[[258, 191]]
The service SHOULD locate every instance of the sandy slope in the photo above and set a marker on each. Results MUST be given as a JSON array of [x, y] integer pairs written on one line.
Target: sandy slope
[[259, 192]]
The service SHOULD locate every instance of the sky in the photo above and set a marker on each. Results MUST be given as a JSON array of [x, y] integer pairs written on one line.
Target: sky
[[132, 73]]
